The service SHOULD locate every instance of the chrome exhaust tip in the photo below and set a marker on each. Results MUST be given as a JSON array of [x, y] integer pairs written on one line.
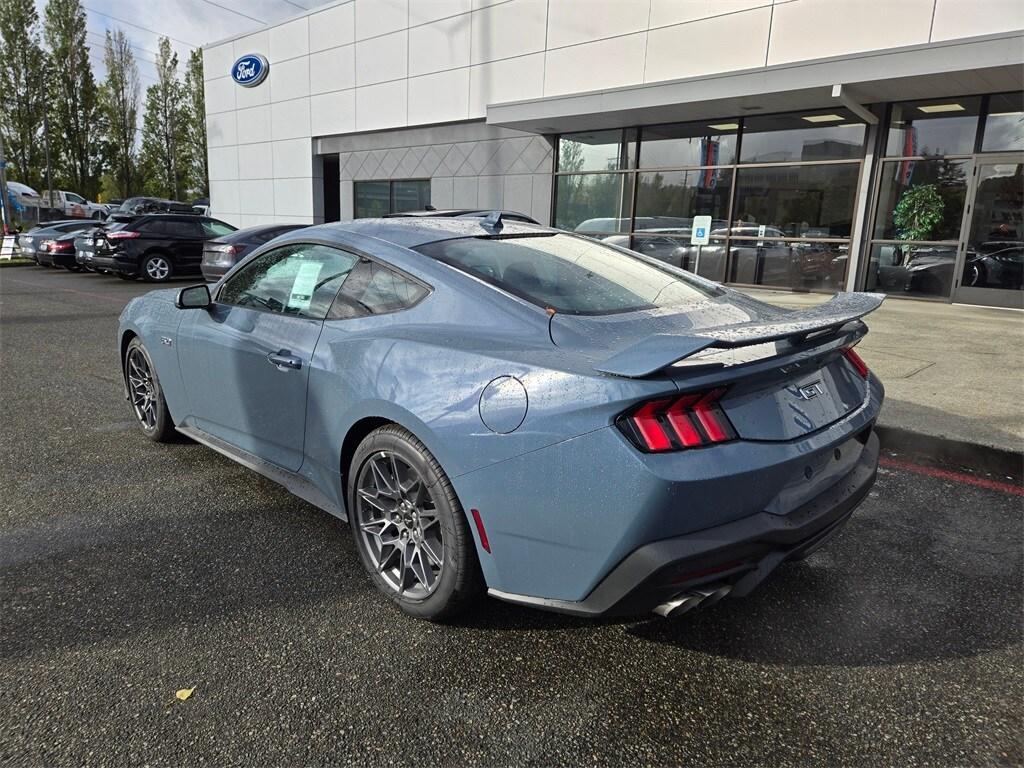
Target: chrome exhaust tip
[[713, 595], [703, 596]]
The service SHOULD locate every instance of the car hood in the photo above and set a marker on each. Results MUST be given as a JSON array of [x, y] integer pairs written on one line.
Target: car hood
[[637, 344]]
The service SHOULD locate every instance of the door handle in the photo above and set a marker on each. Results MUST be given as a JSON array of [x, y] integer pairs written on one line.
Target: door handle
[[284, 360]]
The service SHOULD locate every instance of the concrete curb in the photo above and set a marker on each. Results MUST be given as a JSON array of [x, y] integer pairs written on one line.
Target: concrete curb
[[996, 461]]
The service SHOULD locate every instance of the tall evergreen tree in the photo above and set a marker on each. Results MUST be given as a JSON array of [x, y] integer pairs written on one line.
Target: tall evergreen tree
[[75, 115], [163, 160], [22, 90], [195, 124], [119, 103]]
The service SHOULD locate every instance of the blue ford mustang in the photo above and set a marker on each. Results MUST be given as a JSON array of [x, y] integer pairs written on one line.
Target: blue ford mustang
[[500, 406]]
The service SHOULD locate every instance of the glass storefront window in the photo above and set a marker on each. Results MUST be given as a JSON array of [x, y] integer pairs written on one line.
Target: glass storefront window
[[372, 199], [1004, 125], [995, 248], [596, 151], [921, 199], [410, 195], [688, 144], [915, 270], [788, 263], [799, 200], [594, 202], [818, 135], [668, 200], [933, 127]]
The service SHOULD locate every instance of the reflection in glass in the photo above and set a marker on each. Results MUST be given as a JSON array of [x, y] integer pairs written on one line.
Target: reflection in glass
[[789, 264], [686, 144], [410, 195], [596, 151], [1004, 126], [594, 202], [921, 199], [803, 201], [915, 270], [796, 137], [935, 127], [668, 200], [371, 199], [995, 252]]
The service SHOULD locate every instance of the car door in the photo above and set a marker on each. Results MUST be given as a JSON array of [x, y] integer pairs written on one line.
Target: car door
[[246, 359]]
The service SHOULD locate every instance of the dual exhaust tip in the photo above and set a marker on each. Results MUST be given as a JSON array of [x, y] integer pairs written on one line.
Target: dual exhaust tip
[[702, 596]]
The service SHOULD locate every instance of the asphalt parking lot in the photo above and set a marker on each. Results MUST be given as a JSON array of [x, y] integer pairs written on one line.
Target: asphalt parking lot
[[129, 570]]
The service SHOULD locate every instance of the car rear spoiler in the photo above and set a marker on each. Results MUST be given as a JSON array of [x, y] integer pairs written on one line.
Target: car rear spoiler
[[661, 350]]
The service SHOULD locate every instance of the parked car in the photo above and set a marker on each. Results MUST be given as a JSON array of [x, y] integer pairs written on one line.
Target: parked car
[[155, 247], [59, 251], [134, 207], [112, 205], [29, 241], [501, 406], [462, 213], [222, 254], [74, 205]]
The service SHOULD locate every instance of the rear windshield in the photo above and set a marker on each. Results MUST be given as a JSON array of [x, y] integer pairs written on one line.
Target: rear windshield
[[572, 275]]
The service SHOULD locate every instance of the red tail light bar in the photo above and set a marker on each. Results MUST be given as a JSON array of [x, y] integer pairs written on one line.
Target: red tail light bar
[[57, 245], [121, 234], [692, 420], [856, 361]]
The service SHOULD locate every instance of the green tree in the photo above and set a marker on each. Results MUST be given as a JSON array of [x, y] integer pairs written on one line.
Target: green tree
[[75, 115], [119, 103], [194, 125], [164, 161], [22, 90]]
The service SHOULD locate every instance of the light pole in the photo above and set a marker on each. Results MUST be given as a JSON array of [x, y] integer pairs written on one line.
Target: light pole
[[5, 208]]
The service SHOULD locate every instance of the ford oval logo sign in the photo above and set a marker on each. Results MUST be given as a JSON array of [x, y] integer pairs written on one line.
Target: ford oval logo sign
[[250, 70]]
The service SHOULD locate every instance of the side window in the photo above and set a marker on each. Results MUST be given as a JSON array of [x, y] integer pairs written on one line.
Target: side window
[[72, 197], [373, 289], [300, 280], [214, 228]]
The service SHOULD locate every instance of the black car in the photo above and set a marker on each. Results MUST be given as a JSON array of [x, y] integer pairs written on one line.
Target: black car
[[30, 241], [222, 254], [134, 207], [59, 251], [464, 213], [154, 247]]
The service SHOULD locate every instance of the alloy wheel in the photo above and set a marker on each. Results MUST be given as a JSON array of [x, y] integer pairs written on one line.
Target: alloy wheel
[[157, 268], [142, 388], [399, 525]]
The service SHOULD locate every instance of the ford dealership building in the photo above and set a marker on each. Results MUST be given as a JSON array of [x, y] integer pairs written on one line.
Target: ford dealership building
[[858, 144]]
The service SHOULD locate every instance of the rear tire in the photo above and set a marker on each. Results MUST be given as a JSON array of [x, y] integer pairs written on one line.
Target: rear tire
[[157, 268], [409, 527], [146, 395]]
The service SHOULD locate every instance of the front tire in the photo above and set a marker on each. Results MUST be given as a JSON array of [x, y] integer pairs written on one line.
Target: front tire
[[157, 268], [145, 394], [409, 527]]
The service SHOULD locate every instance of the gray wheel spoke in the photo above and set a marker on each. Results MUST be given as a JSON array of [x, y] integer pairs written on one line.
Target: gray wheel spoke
[[433, 555]]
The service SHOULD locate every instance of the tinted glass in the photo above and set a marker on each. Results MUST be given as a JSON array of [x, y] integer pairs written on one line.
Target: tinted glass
[[995, 251], [300, 280], [935, 127], [569, 274], [596, 202], [410, 195], [915, 270], [921, 199], [804, 201], [372, 199], [1004, 126], [668, 200], [595, 151], [685, 144], [818, 135], [373, 289], [214, 228], [788, 264]]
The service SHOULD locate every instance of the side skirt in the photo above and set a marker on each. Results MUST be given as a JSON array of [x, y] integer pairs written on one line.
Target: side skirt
[[293, 482]]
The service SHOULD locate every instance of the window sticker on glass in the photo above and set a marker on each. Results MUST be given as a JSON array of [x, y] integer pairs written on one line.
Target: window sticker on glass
[[304, 285]]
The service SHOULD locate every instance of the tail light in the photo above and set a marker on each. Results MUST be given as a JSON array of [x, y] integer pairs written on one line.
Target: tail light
[[122, 234], [856, 361], [692, 420], [54, 246]]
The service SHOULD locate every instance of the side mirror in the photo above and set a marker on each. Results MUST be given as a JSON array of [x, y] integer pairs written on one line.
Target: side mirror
[[193, 297]]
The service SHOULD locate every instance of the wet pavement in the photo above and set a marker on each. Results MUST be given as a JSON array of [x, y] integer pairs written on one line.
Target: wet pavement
[[130, 570]]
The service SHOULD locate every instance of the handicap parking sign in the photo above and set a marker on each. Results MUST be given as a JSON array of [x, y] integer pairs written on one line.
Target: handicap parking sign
[[700, 231]]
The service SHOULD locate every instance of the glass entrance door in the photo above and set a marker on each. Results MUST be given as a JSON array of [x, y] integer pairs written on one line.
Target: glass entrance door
[[990, 259]]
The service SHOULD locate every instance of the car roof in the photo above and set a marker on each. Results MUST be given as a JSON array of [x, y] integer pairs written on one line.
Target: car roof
[[413, 231], [256, 229]]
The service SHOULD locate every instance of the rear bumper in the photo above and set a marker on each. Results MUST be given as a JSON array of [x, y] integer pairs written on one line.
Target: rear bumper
[[111, 264], [741, 553], [212, 273]]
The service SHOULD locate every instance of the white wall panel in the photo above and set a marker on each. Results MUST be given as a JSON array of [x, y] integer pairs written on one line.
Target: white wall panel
[[441, 192], [333, 27], [289, 119], [969, 18], [257, 42], [594, 66], [464, 191], [506, 80], [666, 12], [813, 29], [378, 17], [333, 69], [289, 40], [252, 97], [293, 197], [223, 163], [288, 79], [293, 158], [582, 21], [224, 197], [256, 196], [382, 106], [439, 45], [220, 94], [332, 113], [510, 29], [423, 11], [221, 129], [382, 58], [217, 60], [439, 97], [708, 46], [518, 193], [255, 161], [253, 125]]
